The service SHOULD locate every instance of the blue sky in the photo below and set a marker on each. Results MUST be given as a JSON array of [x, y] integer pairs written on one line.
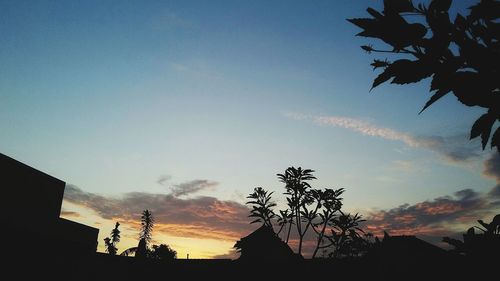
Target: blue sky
[[111, 96]]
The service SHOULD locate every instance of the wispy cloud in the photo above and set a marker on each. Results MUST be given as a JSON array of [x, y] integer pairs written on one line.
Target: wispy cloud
[[402, 165], [200, 217], [163, 179], [69, 214], [192, 187], [492, 170], [454, 149], [186, 188]]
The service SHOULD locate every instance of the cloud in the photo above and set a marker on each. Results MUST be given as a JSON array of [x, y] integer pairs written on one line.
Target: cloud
[[492, 170], [186, 188], [163, 179], [437, 217], [68, 214], [200, 217], [454, 149], [232, 254], [192, 187], [402, 165]]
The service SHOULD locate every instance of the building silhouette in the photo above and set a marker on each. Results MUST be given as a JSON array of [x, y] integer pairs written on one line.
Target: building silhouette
[[263, 244], [31, 208]]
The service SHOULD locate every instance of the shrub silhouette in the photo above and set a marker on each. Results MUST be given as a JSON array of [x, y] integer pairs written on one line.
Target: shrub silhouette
[[479, 245], [162, 252]]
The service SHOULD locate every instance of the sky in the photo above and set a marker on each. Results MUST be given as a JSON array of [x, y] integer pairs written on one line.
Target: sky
[[183, 107]]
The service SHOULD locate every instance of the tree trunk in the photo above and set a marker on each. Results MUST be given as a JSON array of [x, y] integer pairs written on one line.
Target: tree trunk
[[289, 230], [301, 237]]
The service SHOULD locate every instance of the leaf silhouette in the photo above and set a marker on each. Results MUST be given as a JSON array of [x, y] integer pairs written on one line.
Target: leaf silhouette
[[495, 140], [482, 127], [463, 56]]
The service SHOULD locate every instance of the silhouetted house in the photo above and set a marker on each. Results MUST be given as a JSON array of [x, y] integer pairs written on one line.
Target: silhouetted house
[[263, 244], [408, 254], [31, 206]]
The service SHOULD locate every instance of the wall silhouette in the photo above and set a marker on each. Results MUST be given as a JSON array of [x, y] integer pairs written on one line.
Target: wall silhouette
[[31, 207]]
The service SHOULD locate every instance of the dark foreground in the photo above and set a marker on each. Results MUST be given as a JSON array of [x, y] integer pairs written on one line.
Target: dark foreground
[[105, 267]]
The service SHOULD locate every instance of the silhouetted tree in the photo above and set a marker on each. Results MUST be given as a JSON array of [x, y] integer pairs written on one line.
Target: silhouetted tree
[[115, 234], [110, 243], [284, 219], [347, 238], [261, 203], [147, 224], [319, 209], [463, 56], [110, 248], [141, 251], [298, 196], [162, 252], [145, 236], [329, 202], [129, 251]]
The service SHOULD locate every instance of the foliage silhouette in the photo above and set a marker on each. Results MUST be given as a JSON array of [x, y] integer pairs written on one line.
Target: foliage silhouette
[[260, 200], [142, 249], [110, 248], [115, 234], [297, 186], [147, 224], [329, 202], [463, 56], [110, 243], [347, 238], [310, 208], [285, 218], [480, 245], [129, 251], [145, 236], [162, 252]]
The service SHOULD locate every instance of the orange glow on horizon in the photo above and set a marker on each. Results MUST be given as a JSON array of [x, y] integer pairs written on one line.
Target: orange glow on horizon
[[198, 241]]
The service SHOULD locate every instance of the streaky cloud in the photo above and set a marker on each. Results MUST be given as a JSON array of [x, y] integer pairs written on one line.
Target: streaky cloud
[[193, 186], [164, 179], [454, 149]]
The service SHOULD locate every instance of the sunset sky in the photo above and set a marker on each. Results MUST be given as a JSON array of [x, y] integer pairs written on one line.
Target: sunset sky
[[183, 107]]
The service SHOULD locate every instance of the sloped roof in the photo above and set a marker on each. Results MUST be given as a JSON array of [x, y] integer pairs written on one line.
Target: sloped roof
[[264, 243], [411, 242]]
